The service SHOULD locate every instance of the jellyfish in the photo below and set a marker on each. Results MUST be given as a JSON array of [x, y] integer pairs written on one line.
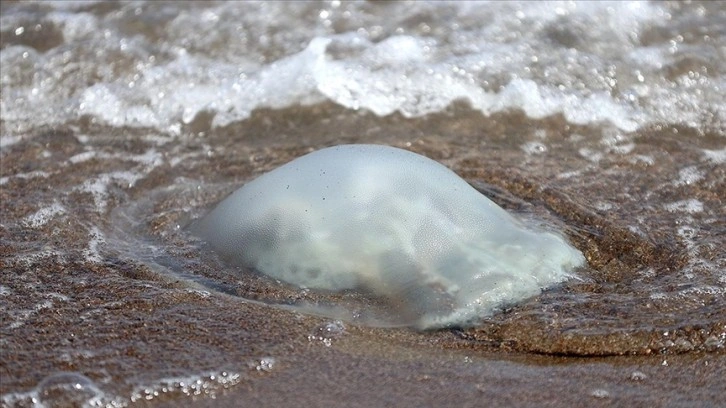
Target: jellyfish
[[390, 223]]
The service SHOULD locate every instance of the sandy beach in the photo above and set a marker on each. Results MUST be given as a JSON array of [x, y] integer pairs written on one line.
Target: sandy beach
[[141, 333], [124, 122]]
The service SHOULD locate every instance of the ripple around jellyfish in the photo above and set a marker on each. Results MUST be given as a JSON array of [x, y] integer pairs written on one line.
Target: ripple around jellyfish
[[388, 222]]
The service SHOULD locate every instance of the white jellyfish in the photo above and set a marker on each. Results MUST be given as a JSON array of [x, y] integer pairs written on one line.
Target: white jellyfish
[[391, 223]]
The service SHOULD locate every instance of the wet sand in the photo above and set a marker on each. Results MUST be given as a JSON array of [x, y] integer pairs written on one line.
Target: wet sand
[[124, 325], [119, 331]]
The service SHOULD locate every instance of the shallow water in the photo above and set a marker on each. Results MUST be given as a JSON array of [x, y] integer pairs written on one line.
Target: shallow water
[[123, 122]]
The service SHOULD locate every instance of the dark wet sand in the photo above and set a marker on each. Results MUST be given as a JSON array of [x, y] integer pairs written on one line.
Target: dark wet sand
[[136, 333], [160, 330], [121, 324]]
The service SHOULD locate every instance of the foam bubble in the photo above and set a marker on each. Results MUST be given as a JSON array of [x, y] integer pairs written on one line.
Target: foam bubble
[[69, 389], [209, 384], [63, 389], [263, 364], [327, 332]]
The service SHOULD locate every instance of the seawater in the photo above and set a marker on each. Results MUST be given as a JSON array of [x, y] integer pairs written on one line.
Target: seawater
[[121, 122], [628, 64]]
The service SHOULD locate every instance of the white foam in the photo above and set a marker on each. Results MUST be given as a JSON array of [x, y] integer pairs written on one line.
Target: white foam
[[46, 253], [616, 141], [600, 393], [715, 156], [689, 175], [640, 158], [590, 154], [28, 175], [690, 206], [82, 157], [47, 301], [534, 148], [569, 174], [702, 290], [44, 215], [75, 26], [98, 186], [96, 240], [603, 205], [514, 61], [9, 140]]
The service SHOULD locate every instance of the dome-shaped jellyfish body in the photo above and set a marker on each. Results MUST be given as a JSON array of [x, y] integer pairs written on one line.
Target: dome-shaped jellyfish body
[[390, 222]]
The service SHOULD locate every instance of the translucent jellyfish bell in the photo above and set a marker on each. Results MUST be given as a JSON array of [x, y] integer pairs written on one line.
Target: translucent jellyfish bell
[[390, 223]]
